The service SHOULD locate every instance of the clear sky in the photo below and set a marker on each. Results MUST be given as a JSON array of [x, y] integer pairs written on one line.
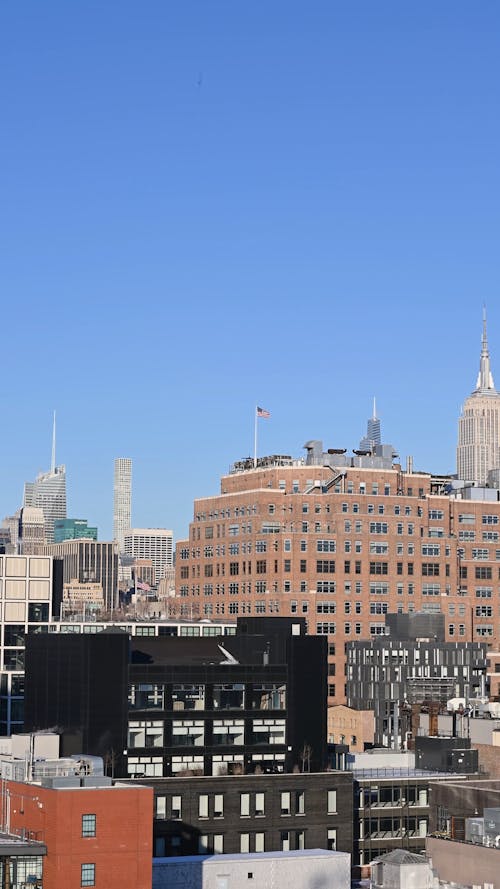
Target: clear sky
[[210, 205]]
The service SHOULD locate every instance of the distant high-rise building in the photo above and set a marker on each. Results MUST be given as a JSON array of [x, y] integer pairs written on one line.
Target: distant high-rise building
[[122, 511], [151, 543], [31, 531], [478, 451], [88, 561], [73, 529], [48, 492], [373, 434]]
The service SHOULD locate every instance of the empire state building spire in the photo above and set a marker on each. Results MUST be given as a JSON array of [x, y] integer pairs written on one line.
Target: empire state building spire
[[485, 382]]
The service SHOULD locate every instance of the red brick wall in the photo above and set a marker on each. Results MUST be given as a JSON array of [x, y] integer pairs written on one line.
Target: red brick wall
[[121, 849]]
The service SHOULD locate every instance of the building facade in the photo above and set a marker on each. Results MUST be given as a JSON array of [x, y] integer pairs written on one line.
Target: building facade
[[342, 541], [90, 561], [172, 706], [257, 813], [96, 834], [155, 544], [27, 591], [73, 529], [31, 538], [411, 665], [122, 500], [478, 450], [48, 493]]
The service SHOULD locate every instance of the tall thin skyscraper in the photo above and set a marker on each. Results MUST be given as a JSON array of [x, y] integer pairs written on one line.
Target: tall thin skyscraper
[[373, 434], [122, 511], [48, 492], [478, 449]]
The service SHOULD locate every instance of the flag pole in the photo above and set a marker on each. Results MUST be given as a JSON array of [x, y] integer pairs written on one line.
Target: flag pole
[[255, 440]]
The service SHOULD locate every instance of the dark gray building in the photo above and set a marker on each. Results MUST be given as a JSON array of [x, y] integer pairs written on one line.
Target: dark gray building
[[410, 665], [253, 813], [170, 706]]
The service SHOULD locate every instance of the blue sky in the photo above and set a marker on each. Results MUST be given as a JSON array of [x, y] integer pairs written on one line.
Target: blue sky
[[209, 205]]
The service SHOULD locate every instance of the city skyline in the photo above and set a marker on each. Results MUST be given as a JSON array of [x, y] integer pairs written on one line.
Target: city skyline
[[310, 223], [373, 423]]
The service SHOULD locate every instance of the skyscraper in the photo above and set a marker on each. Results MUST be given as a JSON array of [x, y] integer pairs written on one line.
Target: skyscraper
[[373, 434], [151, 543], [48, 492], [122, 511], [478, 449]]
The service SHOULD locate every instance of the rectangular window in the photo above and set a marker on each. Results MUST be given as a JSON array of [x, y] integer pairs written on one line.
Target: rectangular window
[[482, 572], [176, 806], [260, 803], [203, 805], [88, 825], [332, 839], [285, 803], [332, 802], [88, 875], [300, 802], [379, 568], [245, 805], [160, 810]]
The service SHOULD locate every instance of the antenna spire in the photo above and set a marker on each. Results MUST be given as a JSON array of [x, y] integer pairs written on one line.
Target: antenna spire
[[53, 461], [374, 408], [485, 377]]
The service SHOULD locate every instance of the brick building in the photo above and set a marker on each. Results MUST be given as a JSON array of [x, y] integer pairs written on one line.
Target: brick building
[[253, 813], [342, 541], [95, 834]]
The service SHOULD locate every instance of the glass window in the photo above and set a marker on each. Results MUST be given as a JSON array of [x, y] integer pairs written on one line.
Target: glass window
[[203, 805], [260, 803], [88, 825], [285, 803], [88, 875], [245, 805], [332, 801], [229, 697]]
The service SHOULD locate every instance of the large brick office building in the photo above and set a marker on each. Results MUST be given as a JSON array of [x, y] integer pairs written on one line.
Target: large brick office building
[[342, 540]]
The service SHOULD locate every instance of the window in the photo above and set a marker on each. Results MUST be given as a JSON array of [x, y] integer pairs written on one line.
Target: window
[[176, 806], [285, 803], [285, 840], [379, 568], [482, 572], [203, 805], [245, 805], [260, 803], [218, 805], [430, 569], [299, 802], [88, 825], [479, 554], [378, 527], [325, 566], [88, 875], [325, 546], [160, 809], [332, 839]]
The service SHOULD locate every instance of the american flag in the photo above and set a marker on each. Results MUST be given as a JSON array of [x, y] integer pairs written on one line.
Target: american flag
[[261, 412], [143, 586]]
